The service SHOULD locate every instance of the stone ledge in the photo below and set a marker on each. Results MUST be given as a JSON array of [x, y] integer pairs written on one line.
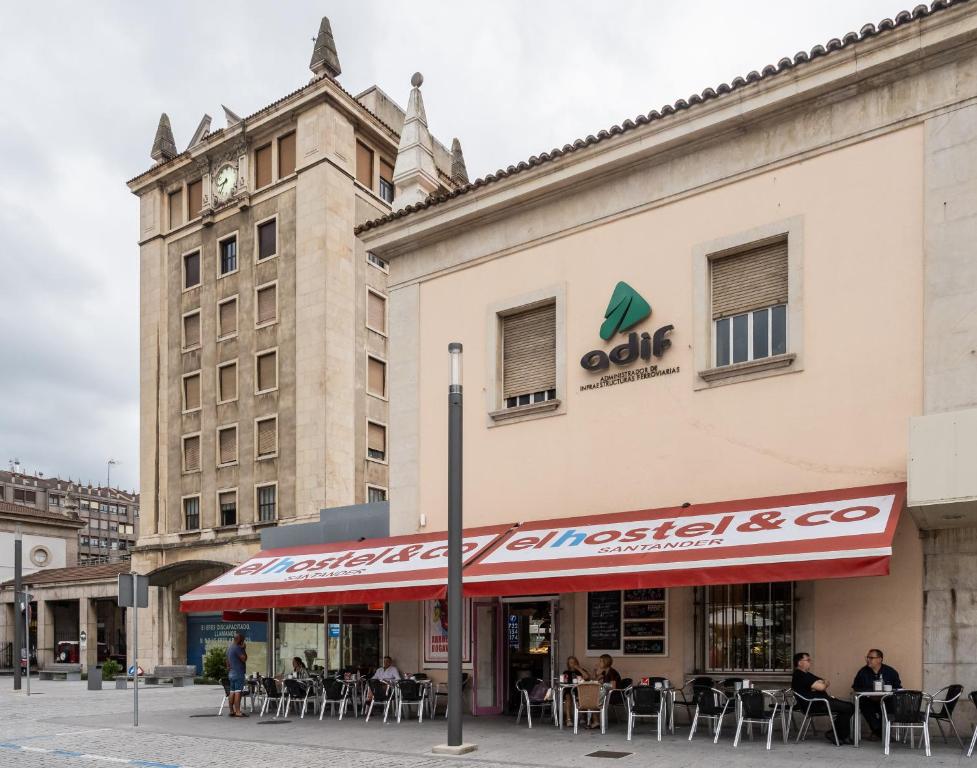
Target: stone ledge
[[533, 409], [736, 370]]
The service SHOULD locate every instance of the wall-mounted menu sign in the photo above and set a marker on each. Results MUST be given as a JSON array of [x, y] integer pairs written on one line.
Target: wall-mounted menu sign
[[604, 621]]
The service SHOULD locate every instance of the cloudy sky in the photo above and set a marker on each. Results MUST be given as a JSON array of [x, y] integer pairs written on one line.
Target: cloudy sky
[[83, 85]]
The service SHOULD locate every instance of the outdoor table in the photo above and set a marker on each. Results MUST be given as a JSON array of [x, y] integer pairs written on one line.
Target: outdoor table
[[560, 688], [856, 697]]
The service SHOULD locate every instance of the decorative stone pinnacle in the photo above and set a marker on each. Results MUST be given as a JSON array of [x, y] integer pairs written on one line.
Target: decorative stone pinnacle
[[417, 80], [325, 60], [458, 170], [164, 148]]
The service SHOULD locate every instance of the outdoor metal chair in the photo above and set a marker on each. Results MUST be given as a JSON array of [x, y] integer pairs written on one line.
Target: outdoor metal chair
[[589, 699], [410, 693], [908, 710], [942, 704], [619, 693], [380, 692], [752, 707], [814, 707], [694, 686], [528, 690], [298, 692], [973, 739], [712, 706], [645, 701], [272, 693], [334, 692], [440, 691]]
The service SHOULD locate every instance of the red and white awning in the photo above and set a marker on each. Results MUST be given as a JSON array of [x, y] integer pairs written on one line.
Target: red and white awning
[[399, 568], [822, 535], [828, 534]]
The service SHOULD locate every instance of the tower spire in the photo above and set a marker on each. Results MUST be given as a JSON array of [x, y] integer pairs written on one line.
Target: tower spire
[[458, 170], [325, 60], [164, 148], [415, 175]]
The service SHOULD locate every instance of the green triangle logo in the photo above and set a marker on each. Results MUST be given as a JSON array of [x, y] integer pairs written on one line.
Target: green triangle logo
[[625, 309]]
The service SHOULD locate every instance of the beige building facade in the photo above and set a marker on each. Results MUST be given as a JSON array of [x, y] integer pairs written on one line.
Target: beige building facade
[[263, 331], [802, 241]]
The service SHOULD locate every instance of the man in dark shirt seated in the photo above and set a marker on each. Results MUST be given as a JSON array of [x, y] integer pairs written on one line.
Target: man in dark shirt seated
[[810, 686], [874, 670]]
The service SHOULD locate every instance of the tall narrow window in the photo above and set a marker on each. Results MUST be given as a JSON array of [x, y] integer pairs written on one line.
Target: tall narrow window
[[227, 382], [749, 627], [386, 181], [191, 330], [266, 445], [267, 240], [191, 453], [749, 303], [266, 299], [529, 356], [227, 501], [191, 513], [286, 155], [175, 200], [262, 167], [191, 269], [376, 377], [195, 199], [228, 255], [227, 445], [376, 441], [376, 312], [266, 371], [267, 498], [364, 165], [191, 392], [227, 318]]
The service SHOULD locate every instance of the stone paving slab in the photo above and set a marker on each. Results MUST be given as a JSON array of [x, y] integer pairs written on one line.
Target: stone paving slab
[[70, 727]]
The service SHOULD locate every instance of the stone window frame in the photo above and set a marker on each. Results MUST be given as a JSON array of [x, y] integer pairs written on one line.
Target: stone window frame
[[183, 513], [183, 391], [237, 317], [386, 377], [183, 329], [278, 239], [217, 507], [278, 503], [184, 288], [386, 441], [235, 235], [257, 288], [257, 421], [237, 380], [237, 445], [386, 311], [260, 353], [703, 254], [39, 549], [375, 486], [496, 412], [183, 453]]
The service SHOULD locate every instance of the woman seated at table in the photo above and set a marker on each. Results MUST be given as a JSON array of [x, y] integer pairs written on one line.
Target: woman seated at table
[[299, 670], [572, 673], [606, 675]]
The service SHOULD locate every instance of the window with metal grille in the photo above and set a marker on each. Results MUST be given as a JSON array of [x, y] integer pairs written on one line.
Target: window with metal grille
[[266, 371], [262, 166], [749, 303], [228, 253], [749, 627], [195, 198], [191, 453], [191, 513], [267, 503], [267, 240], [376, 441], [191, 392], [175, 200], [374, 494], [529, 356], [376, 312], [376, 377], [266, 299], [286, 155], [227, 382], [267, 442], [226, 445], [227, 501], [191, 269], [191, 330], [227, 318], [364, 165], [376, 261]]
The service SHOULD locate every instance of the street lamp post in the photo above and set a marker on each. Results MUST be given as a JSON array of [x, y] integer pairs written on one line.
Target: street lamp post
[[18, 588], [455, 607]]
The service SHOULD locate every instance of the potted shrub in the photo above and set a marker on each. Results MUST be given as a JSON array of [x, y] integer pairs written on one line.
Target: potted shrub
[[215, 664], [110, 671]]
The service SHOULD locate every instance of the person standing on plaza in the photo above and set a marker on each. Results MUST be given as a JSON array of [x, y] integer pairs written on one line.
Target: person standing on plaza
[[237, 657], [810, 686], [866, 678]]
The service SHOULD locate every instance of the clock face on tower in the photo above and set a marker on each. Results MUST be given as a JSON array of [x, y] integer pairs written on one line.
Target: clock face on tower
[[224, 182]]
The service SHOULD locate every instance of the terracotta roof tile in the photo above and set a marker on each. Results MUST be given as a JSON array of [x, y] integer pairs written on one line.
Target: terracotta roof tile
[[771, 70], [75, 573]]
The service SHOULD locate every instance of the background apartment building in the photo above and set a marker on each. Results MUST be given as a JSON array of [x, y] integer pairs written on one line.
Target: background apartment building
[[263, 333]]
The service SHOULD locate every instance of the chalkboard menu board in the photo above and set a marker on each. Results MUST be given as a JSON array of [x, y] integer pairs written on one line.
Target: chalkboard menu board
[[604, 621]]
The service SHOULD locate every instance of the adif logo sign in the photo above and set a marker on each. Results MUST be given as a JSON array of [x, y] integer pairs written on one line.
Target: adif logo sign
[[625, 310]]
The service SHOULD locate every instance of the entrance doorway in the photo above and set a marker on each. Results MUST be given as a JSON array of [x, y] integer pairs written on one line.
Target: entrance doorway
[[487, 699], [529, 643]]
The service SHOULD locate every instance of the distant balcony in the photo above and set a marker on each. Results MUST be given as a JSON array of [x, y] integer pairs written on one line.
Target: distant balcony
[[942, 476]]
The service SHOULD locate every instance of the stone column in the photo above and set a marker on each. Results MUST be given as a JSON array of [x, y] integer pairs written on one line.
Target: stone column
[[8, 615], [45, 633], [88, 621]]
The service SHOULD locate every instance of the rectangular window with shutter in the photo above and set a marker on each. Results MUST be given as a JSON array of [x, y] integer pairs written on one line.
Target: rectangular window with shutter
[[364, 165], [376, 312], [266, 442], [227, 504], [175, 200], [191, 330], [195, 197], [376, 441], [191, 453], [191, 513], [191, 269], [376, 376], [266, 371], [227, 318], [266, 303], [191, 392], [529, 356], [227, 249], [386, 181], [374, 494], [749, 303], [227, 445], [266, 500], [286, 155], [227, 382], [262, 166], [267, 240]]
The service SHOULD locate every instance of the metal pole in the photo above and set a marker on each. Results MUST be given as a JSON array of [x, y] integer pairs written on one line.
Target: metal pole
[[18, 589], [27, 633], [342, 645], [135, 653], [455, 607]]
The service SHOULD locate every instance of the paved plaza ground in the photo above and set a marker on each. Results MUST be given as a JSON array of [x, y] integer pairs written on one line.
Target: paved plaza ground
[[63, 725]]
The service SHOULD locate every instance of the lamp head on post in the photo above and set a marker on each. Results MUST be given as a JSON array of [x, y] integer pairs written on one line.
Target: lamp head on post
[[454, 358]]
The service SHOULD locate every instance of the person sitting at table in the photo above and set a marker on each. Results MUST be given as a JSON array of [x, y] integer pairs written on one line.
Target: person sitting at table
[[810, 686], [388, 673], [605, 674], [299, 669], [571, 674], [865, 679]]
